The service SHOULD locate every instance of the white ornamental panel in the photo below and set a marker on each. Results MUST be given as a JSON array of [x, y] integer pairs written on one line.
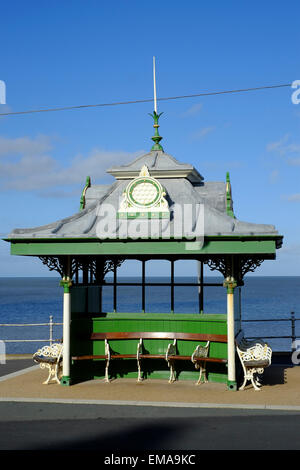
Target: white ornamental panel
[[144, 197]]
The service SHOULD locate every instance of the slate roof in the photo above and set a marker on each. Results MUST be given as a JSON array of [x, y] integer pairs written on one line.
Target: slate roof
[[160, 165], [183, 185]]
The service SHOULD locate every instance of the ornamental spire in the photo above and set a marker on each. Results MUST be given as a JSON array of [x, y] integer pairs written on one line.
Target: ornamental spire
[[156, 138], [229, 202]]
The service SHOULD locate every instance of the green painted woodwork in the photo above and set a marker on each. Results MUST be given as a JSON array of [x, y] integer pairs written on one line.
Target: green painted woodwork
[[211, 246], [82, 199], [230, 285], [191, 375], [162, 322], [229, 208], [66, 284], [83, 325], [65, 380], [232, 385]]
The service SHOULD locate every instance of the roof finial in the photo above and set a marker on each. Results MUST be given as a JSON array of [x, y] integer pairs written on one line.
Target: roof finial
[[154, 86], [156, 138]]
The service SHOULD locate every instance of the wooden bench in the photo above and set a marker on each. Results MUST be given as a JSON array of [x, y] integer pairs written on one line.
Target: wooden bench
[[50, 357], [199, 357], [255, 356]]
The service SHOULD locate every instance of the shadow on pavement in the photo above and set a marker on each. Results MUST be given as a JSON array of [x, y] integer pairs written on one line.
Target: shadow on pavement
[[15, 365]]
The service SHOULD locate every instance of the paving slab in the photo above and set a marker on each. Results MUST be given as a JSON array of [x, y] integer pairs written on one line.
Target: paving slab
[[125, 417], [280, 390]]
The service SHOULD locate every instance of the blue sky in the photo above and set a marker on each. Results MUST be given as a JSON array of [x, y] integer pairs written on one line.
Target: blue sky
[[84, 52]]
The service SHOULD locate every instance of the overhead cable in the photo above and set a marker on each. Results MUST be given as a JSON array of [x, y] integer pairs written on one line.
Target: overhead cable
[[118, 103]]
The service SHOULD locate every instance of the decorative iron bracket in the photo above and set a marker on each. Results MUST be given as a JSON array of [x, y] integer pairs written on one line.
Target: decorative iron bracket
[[241, 266], [97, 265]]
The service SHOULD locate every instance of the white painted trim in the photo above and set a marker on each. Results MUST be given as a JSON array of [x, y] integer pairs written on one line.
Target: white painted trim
[[66, 333], [230, 338]]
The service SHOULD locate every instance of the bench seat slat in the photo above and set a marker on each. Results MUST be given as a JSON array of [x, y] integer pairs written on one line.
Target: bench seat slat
[[152, 356], [49, 360], [258, 363], [197, 359], [123, 356], [89, 356], [149, 356]]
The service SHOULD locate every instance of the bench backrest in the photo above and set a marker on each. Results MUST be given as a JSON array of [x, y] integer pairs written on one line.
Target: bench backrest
[[159, 335], [156, 342]]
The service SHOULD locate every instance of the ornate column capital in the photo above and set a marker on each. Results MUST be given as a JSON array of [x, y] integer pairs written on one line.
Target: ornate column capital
[[230, 284], [66, 283]]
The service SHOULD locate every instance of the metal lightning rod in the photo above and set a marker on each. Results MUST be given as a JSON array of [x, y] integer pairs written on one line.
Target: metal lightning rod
[[154, 86]]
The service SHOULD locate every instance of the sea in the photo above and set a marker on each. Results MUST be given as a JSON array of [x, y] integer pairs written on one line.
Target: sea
[[26, 305]]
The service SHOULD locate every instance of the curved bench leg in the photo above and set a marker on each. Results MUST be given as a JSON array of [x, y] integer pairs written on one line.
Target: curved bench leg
[[201, 366], [171, 351], [139, 351], [52, 373], [107, 353], [172, 373], [49, 375], [140, 378], [250, 376], [200, 376], [58, 372], [257, 382], [106, 378], [244, 383], [256, 387]]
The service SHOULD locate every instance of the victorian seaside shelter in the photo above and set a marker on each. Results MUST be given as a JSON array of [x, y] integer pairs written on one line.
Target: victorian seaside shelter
[[157, 208]]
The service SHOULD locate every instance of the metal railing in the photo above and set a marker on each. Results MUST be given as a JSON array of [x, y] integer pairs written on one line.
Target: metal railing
[[292, 319], [49, 340]]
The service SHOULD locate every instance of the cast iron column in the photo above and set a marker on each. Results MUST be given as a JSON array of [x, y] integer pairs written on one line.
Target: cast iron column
[[230, 284], [66, 282]]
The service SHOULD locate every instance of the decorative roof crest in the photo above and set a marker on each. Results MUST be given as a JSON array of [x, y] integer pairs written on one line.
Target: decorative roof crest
[[144, 197], [144, 171]]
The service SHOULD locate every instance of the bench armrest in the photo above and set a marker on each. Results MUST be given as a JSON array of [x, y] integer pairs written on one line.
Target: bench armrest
[[171, 350], [258, 352], [54, 351], [200, 351], [107, 350]]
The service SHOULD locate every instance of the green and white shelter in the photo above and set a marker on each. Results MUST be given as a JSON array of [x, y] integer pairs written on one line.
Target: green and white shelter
[[157, 208]]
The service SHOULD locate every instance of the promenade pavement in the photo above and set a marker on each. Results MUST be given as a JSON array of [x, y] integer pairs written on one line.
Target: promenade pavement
[[21, 379], [124, 417]]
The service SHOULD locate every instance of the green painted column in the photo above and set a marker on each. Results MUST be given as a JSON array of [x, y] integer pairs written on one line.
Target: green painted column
[[230, 285]]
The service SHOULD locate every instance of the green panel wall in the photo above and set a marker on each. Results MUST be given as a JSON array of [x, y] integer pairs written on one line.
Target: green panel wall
[[82, 326]]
